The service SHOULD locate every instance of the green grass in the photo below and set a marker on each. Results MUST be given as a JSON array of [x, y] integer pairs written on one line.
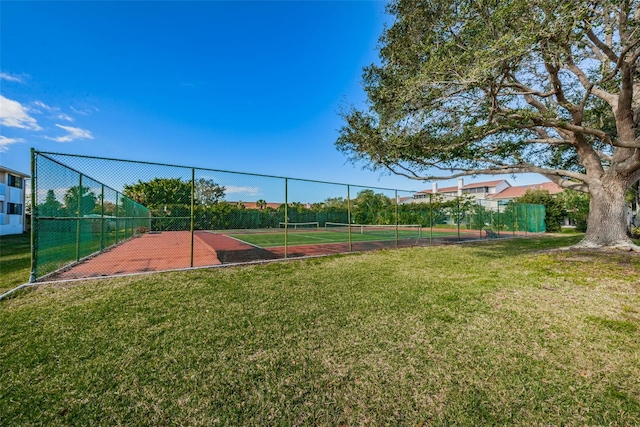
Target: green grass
[[15, 260], [570, 230], [495, 333]]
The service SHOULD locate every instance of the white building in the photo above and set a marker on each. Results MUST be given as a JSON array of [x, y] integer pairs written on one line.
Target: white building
[[478, 190], [12, 201], [489, 193]]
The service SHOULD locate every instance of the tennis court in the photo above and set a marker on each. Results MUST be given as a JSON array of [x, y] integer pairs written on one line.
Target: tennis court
[[172, 250], [313, 234], [93, 220]]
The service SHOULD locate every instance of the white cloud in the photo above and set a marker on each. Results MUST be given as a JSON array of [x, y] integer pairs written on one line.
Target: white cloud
[[55, 113], [86, 111], [6, 142], [11, 78], [74, 133], [13, 114], [44, 106], [75, 110], [251, 191]]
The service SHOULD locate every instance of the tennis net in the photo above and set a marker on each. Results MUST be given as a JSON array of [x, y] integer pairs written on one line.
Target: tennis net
[[403, 230], [313, 225]]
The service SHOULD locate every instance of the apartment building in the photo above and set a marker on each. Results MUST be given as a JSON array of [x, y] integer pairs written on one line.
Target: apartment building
[[12, 201]]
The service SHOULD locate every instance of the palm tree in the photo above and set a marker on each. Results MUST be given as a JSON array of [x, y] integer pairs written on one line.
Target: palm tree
[[261, 204]]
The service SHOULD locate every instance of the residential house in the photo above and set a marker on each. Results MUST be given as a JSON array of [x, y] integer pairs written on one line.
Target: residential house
[[478, 190], [514, 192], [489, 193]]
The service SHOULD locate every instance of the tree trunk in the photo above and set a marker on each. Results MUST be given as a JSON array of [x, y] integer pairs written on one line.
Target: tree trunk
[[606, 224]]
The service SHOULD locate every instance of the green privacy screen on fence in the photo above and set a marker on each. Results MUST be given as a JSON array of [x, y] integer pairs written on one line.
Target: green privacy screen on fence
[[96, 217], [76, 216]]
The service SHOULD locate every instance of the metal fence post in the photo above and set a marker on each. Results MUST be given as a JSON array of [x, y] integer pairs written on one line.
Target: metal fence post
[[458, 215], [496, 220], [349, 217], [78, 219], [34, 218], [102, 219], [478, 219], [430, 218], [397, 243], [116, 214], [193, 195], [286, 217]]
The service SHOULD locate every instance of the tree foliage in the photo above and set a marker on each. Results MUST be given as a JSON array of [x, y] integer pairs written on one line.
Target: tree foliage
[[335, 203], [160, 192], [51, 206], [576, 206], [367, 205], [207, 192], [508, 86], [79, 201]]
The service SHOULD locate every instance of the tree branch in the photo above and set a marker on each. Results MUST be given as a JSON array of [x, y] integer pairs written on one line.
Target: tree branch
[[599, 55], [399, 169], [576, 112], [526, 90], [569, 185], [539, 121], [609, 98], [601, 45], [604, 156], [551, 141]]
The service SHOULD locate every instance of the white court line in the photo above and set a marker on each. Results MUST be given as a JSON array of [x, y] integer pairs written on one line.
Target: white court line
[[237, 240]]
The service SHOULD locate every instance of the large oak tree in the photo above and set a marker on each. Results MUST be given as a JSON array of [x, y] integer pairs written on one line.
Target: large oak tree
[[468, 87]]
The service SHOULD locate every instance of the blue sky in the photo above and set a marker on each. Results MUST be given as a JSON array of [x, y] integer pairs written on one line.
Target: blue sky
[[242, 86]]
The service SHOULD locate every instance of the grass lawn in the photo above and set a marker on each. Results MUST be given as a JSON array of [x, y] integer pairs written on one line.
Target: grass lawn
[[493, 333], [15, 260]]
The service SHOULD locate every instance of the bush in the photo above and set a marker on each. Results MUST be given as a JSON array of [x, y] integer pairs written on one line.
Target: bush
[[635, 232], [576, 204]]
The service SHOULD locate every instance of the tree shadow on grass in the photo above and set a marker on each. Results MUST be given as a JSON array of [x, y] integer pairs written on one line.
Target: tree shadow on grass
[[508, 248]]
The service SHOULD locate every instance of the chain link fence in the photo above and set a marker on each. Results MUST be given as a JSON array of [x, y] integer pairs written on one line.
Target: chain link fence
[[97, 217]]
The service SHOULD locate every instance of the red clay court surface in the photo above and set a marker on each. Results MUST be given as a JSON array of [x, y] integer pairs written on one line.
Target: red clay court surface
[[170, 250], [149, 252]]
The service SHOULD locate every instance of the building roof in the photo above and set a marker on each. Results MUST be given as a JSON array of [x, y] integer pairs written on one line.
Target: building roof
[[14, 172], [440, 190], [515, 192], [466, 187], [484, 184]]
